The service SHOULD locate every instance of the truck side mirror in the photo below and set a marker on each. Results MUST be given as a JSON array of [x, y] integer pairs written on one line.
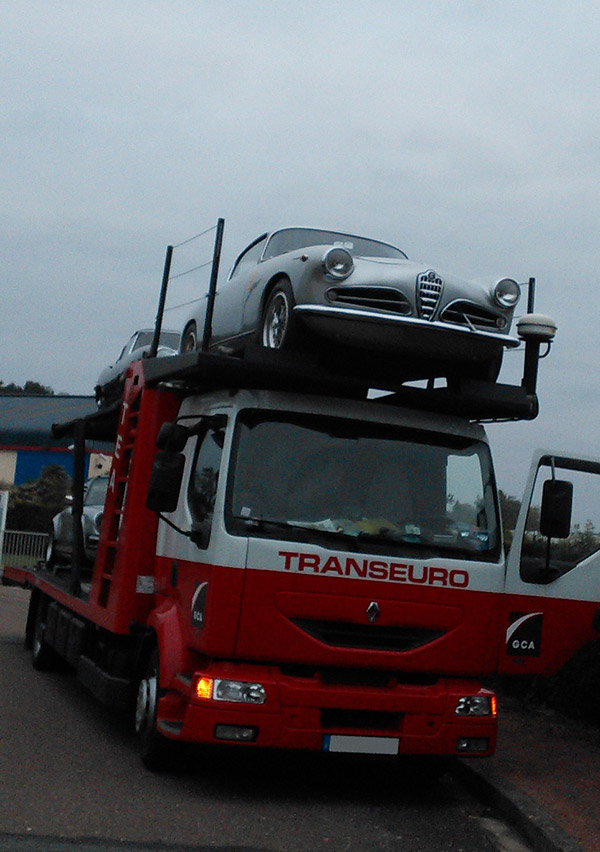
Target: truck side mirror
[[557, 505], [172, 436], [165, 481]]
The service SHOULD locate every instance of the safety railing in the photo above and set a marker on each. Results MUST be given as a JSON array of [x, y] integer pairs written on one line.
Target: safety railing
[[23, 549]]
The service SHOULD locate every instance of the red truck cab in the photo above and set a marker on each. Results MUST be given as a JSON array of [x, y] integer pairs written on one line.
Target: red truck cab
[[286, 562]]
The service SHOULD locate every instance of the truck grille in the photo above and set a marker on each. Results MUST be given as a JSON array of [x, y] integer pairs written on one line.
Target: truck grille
[[469, 314], [358, 677], [378, 298], [429, 291], [366, 720], [369, 637]]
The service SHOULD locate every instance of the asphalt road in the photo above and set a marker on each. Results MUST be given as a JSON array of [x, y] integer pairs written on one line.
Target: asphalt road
[[69, 770]]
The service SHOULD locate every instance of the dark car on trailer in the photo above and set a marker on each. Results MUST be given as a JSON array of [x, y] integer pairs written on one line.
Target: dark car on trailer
[[109, 385]]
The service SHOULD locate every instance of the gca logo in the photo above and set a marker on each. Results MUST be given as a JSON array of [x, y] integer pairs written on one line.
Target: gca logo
[[524, 634]]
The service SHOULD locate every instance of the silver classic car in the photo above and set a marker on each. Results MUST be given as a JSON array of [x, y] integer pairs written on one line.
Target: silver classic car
[[60, 542], [304, 287]]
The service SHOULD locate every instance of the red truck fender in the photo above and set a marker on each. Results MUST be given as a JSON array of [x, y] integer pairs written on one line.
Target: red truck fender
[[174, 657]]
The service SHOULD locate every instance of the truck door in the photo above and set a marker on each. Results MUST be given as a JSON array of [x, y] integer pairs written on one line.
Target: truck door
[[203, 572], [552, 602]]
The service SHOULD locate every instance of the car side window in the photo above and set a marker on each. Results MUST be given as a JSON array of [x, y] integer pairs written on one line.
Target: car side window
[[202, 489], [248, 258]]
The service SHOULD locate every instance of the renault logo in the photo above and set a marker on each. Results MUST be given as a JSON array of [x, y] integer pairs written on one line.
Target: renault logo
[[373, 612]]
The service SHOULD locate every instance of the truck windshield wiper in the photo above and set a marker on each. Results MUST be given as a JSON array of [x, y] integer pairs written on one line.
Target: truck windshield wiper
[[264, 523]]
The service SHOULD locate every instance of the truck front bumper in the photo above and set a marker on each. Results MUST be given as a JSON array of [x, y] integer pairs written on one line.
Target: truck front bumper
[[309, 714]]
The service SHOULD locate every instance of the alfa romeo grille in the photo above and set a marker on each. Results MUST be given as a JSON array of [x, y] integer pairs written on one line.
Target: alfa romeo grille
[[378, 298], [429, 291], [368, 636], [469, 314]]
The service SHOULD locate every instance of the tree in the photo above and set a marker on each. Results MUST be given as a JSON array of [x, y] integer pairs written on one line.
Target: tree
[[509, 509], [32, 505], [30, 388]]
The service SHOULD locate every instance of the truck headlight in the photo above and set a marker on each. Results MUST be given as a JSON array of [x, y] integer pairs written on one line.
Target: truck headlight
[[338, 262], [219, 689], [237, 690], [476, 705], [507, 293]]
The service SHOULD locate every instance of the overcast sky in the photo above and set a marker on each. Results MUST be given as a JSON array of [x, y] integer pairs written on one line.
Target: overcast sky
[[465, 132]]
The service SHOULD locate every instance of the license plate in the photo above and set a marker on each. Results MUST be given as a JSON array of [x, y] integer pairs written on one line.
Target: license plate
[[360, 745]]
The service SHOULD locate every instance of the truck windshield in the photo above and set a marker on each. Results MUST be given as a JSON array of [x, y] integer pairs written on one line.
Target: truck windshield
[[369, 486]]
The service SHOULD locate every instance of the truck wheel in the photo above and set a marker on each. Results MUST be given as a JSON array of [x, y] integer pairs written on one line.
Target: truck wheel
[[189, 340], [277, 325], [42, 655], [153, 746]]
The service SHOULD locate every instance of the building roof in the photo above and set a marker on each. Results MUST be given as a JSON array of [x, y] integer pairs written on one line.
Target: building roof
[[26, 421]]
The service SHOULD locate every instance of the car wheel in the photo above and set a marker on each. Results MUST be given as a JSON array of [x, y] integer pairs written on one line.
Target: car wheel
[[42, 655], [152, 745], [278, 328], [189, 340]]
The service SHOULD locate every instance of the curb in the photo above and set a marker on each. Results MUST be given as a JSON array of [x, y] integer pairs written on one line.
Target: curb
[[529, 819]]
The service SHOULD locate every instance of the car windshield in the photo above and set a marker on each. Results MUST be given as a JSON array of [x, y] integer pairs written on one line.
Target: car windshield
[[167, 338], [96, 491], [291, 239], [299, 476]]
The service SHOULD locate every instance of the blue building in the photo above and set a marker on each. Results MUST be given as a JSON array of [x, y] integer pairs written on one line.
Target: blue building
[[26, 441]]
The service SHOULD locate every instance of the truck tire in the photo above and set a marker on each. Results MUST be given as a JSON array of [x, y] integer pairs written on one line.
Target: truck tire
[[153, 747], [42, 655]]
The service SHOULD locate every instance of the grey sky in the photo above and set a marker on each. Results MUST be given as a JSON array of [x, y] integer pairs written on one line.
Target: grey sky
[[464, 132]]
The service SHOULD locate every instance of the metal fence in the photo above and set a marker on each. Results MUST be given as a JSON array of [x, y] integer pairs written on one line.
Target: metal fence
[[23, 549]]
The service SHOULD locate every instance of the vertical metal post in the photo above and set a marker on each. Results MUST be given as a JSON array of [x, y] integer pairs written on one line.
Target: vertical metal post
[[161, 303], [212, 289], [77, 553], [3, 510], [531, 296], [530, 367]]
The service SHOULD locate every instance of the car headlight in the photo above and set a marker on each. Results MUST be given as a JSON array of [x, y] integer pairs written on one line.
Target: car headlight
[[507, 293], [338, 262], [98, 520]]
